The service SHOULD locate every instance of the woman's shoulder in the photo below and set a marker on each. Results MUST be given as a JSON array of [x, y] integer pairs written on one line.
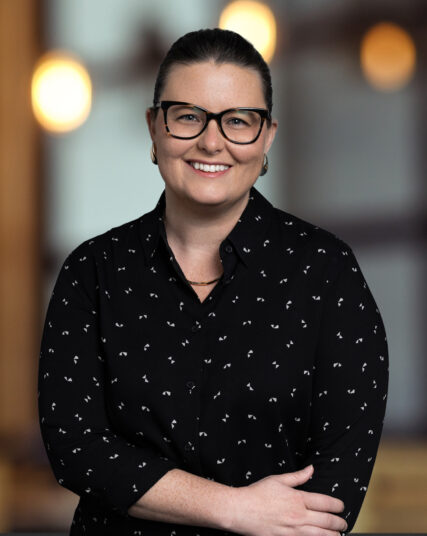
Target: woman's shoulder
[[123, 237], [320, 253], [298, 233], [97, 257]]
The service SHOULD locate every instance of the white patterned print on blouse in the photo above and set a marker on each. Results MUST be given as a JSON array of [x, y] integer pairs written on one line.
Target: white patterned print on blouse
[[284, 364]]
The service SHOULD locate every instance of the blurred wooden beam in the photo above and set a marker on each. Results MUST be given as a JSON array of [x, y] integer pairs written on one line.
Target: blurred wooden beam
[[380, 230], [20, 220], [343, 24]]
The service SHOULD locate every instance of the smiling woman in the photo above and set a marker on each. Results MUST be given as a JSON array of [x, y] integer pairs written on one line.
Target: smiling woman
[[217, 365], [187, 140]]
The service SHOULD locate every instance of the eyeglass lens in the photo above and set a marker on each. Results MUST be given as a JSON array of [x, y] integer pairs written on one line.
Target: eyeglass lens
[[188, 121]]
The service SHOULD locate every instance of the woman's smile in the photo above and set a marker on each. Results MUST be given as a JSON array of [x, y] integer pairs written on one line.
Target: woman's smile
[[208, 169]]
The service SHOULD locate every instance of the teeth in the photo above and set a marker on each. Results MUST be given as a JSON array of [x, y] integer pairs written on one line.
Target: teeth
[[209, 167]]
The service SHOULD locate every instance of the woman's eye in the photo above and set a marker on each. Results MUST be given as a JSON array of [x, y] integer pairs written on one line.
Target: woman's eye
[[236, 122], [189, 117]]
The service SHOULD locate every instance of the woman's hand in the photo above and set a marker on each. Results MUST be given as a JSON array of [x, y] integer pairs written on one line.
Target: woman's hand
[[271, 507]]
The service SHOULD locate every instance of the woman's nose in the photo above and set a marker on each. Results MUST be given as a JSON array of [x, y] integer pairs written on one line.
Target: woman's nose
[[211, 138]]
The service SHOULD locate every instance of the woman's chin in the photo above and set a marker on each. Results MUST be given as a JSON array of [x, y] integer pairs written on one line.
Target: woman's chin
[[208, 195], [215, 199]]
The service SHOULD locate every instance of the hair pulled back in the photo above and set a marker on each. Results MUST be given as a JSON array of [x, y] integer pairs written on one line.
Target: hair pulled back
[[221, 46]]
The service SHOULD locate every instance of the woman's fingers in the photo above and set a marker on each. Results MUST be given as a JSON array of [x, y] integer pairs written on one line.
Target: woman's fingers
[[272, 506], [297, 477], [309, 530], [322, 503], [325, 520]]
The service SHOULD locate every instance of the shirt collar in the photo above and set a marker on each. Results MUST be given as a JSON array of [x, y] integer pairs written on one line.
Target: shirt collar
[[246, 236]]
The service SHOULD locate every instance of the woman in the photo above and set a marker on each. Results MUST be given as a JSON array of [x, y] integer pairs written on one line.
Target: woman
[[217, 365]]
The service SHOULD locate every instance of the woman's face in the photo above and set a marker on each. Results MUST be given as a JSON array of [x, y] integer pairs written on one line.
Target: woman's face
[[216, 88]]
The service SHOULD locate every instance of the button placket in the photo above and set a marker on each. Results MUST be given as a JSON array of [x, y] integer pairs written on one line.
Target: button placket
[[189, 447]]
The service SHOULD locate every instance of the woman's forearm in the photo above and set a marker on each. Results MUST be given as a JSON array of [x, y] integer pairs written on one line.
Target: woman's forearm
[[181, 497]]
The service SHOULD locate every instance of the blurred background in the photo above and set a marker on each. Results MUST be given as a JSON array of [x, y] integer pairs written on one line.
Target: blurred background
[[350, 86]]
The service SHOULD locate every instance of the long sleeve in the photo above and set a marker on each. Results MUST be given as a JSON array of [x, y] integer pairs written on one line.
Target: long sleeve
[[349, 391], [87, 456]]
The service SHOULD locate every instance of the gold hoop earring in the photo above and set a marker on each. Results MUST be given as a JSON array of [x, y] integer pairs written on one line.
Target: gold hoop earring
[[264, 168], [153, 155]]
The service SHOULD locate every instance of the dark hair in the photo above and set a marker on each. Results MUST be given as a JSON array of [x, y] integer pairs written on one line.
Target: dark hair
[[222, 46]]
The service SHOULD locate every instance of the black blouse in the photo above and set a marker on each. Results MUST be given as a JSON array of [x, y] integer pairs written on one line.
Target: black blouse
[[284, 364]]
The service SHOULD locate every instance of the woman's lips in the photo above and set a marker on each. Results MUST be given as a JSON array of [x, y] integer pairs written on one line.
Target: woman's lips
[[208, 170]]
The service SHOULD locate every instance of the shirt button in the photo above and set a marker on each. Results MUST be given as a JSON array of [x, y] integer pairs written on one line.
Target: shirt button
[[227, 281], [190, 384], [228, 248], [188, 446], [195, 327]]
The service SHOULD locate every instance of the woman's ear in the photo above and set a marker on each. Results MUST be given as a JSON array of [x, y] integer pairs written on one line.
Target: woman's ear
[[151, 122], [271, 133]]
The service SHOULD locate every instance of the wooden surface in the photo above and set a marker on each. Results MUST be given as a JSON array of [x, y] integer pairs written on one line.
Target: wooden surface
[[19, 217], [396, 500], [19, 236]]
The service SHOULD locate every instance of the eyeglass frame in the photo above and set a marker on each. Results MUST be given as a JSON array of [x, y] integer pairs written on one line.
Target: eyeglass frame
[[165, 105]]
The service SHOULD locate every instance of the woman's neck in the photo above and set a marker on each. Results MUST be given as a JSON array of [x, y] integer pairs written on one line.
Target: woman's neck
[[199, 228]]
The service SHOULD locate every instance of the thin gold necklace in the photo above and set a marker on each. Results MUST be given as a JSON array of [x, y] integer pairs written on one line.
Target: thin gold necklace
[[204, 282], [199, 283]]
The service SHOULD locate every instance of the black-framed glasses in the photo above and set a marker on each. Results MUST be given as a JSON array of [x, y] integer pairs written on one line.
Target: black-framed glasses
[[186, 121]]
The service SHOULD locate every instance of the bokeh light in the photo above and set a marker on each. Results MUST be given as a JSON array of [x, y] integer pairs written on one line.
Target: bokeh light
[[255, 22], [61, 92], [387, 56]]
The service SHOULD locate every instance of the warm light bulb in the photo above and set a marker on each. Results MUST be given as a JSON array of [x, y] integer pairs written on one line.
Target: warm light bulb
[[61, 92], [255, 22], [387, 56]]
